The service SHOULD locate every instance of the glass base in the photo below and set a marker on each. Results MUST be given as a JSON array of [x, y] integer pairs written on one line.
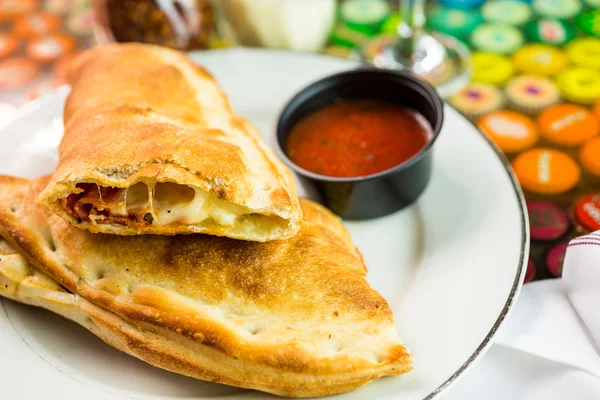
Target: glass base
[[439, 59]]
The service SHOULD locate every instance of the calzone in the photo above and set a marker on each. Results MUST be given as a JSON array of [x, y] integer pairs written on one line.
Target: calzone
[[291, 317], [152, 146]]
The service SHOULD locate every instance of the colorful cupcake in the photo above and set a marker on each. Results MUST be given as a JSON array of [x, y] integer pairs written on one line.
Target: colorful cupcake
[[531, 94], [497, 38], [477, 99], [540, 59], [579, 85], [494, 69], [511, 131]]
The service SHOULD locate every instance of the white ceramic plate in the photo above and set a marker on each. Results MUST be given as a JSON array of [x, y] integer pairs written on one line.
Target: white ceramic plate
[[450, 266]]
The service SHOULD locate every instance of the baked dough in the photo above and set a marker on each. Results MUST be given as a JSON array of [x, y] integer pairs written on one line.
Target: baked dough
[[22, 282], [152, 146], [290, 317]]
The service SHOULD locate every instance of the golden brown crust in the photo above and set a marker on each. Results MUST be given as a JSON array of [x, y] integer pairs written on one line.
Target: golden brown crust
[[22, 282], [142, 113], [293, 317]]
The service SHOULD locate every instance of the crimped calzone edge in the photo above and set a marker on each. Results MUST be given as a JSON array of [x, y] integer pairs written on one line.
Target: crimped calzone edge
[[293, 318]]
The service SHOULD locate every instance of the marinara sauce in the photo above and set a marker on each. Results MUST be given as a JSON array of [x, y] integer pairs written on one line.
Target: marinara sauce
[[359, 137]]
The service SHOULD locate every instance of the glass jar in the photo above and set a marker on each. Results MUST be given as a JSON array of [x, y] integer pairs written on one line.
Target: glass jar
[[180, 24], [301, 25]]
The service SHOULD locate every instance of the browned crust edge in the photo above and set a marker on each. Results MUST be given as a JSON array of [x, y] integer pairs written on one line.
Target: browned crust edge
[[158, 339]]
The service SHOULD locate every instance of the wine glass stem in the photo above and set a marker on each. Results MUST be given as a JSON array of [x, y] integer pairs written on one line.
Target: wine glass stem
[[412, 19]]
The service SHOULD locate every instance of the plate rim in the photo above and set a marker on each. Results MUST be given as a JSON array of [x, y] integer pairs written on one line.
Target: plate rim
[[517, 283], [517, 191]]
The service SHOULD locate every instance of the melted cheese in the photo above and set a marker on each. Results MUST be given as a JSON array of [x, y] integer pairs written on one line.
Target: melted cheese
[[120, 206], [137, 196], [203, 206], [173, 203], [132, 198]]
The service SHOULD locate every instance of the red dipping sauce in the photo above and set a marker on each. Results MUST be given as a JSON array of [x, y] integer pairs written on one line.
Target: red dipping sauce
[[354, 138]]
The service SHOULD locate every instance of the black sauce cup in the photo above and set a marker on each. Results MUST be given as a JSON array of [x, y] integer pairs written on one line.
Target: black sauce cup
[[379, 194]]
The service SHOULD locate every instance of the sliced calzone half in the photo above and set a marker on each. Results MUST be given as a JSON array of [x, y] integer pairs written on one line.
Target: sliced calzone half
[[290, 317], [22, 282], [152, 146]]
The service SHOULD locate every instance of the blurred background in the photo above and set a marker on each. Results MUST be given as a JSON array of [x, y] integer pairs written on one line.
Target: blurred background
[[527, 72]]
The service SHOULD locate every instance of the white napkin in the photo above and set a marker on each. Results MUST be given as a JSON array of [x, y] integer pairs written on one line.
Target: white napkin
[[582, 281], [549, 346]]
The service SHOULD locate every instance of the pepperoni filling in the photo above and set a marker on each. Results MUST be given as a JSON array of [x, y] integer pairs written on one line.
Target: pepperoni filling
[[96, 203]]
